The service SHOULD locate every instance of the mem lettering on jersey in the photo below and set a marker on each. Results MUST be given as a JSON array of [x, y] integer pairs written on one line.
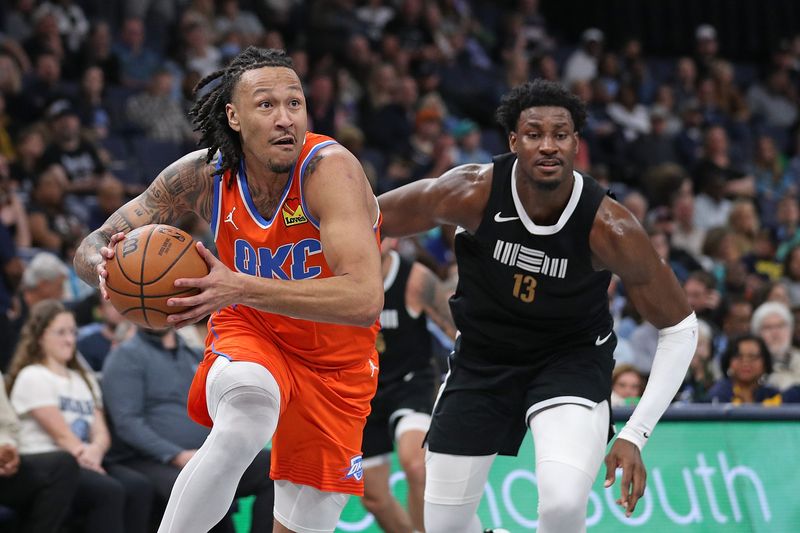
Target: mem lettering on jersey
[[530, 259]]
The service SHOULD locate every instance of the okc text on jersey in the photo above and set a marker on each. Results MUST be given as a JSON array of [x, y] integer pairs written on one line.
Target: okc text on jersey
[[288, 261]]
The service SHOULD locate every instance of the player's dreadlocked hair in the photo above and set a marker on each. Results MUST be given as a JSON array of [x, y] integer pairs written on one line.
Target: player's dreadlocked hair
[[208, 112], [538, 93]]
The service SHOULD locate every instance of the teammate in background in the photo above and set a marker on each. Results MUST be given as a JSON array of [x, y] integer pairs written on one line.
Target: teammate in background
[[294, 298], [536, 245], [406, 386]]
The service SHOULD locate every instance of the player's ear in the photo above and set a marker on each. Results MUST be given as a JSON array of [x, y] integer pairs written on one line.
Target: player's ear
[[577, 142], [512, 141], [233, 117]]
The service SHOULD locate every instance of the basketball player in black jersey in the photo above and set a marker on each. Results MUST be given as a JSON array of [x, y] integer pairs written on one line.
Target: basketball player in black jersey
[[406, 386], [536, 245]]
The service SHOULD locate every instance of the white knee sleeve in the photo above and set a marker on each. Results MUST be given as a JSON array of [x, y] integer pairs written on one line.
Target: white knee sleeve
[[304, 509], [244, 402], [563, 497], [454, 486]]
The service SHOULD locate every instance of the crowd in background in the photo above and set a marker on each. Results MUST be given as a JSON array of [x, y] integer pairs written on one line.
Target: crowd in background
[[705, 152]]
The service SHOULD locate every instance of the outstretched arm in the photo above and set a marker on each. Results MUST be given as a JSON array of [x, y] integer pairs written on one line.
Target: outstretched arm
[[183, 186], [425, 292], [458, 197], [338, 196], [620, 244]]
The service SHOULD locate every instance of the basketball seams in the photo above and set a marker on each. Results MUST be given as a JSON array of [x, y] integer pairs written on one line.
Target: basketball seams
[[169, 267], [141, 277], [146, 296]]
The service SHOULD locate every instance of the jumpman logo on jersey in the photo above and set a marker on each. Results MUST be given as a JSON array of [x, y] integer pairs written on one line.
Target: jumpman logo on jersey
[[229, 218], [372, 367]]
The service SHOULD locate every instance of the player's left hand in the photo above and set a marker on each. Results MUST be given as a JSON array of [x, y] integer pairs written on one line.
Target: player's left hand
[[218, 289], [626, 455]]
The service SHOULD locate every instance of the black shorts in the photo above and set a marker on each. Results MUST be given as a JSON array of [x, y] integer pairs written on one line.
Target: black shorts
[[482, 409], [413, 393]]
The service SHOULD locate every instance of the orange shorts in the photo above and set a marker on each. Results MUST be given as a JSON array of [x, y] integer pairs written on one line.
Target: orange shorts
[[323, 412]]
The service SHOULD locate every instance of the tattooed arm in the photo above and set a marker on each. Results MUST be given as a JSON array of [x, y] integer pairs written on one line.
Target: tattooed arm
[[426, 292], [185, 185]]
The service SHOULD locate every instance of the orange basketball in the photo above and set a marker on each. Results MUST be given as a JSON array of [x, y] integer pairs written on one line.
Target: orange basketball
[[145, 266]]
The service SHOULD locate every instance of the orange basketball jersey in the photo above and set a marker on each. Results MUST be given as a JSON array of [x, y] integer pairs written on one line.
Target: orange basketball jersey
[[286, 246]]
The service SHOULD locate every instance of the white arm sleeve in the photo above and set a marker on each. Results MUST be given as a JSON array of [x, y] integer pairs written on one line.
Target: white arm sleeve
[[676, 346]]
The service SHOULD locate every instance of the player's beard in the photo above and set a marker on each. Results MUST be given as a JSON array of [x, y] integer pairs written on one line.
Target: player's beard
[[279, 168]]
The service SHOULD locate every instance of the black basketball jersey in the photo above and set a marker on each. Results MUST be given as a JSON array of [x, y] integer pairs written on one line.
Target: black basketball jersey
[[526, 291], [404, 342]]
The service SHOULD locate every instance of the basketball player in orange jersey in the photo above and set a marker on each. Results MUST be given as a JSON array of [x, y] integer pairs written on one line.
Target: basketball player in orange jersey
[[294, 297]]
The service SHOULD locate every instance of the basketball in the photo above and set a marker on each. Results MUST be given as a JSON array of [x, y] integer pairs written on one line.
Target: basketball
[[145, 266]]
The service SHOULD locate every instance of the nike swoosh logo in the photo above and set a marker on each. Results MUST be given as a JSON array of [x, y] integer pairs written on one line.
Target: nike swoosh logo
[[600, 341], [498, 218]]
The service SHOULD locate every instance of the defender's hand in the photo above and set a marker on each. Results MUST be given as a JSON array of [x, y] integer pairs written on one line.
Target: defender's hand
[[626, 455]]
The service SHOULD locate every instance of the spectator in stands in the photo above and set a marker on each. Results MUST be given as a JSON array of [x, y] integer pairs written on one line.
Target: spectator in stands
[[664, 104], [138, 63], [146, 383], [627, 385], [71, 21], [772, 182], [374, 16], [60, 408], [46, 38], [157, 113], [325, 115], [654, 147], [92, 107], [774, 323], [234, 19], [701, 292], [388, 127], [468, 136], [774, 103], [97, 51], [791, 274], [96, 340], [53, 226], [110, 197], [786, 228], [12, 210], [743, 220], [703, 370], [706, 48], [39, 487], [43, 88], [11, 268], [686, 235], [199, 54], [582, 63], [746, 364], [11, 87], [19, 20], [689, 141], [30, 148], [715, 179], [78, 157]]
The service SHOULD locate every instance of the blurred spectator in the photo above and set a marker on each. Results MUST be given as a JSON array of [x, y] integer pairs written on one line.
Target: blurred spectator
[[60, 408], [97, 51], [39, 486], [408, 28], [155, 112], [78, 157], [774, 323], [582, 63], [110, 197], [12, 210], [11, 268], [30, 149], [689, 141], [46, 38], [96, 340], [703, 370], [468, 136], [736, 316], [654, 147], [772, 183], [71, 21], [388, 127], [199, 54], [715, 179], [701, 292], [791, 274], [627, 385], [774, 102], [137, 63], [706, 47], [53, 226], [743, 220], [746, 363], [325, 115], [11, 87], [352, 138], [685, 82], [19, 20], [686, 235], [637, 204], [6, 126], [630, 115], [664, 105], [233, 19], [44, 88], [92, 107], [146, 382], [374, 15]]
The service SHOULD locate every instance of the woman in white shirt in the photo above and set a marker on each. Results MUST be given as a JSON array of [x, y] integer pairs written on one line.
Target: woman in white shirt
[[59, 406]]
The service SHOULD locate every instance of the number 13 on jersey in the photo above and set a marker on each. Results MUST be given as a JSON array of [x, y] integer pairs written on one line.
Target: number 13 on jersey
[[524, 287]]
